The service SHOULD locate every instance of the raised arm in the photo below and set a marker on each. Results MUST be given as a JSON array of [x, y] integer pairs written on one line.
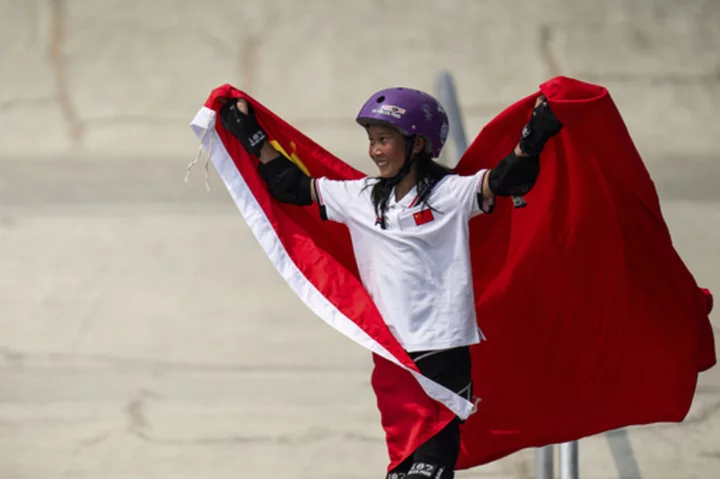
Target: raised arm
[[516, 174], [286, 181]]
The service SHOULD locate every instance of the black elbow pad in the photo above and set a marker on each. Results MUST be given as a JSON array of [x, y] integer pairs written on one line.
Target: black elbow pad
[[287, 182], [514, 175]]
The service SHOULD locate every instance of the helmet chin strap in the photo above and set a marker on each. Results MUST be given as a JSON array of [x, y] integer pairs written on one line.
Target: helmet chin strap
[[407, 165], [390, 183]]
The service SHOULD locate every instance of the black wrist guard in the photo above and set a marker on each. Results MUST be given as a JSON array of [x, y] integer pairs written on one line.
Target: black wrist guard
[[542, 126], [514, 175], [243, 127], [287, 182]]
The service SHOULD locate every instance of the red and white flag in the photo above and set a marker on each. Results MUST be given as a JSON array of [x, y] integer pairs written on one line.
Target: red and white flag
[[593, 322]]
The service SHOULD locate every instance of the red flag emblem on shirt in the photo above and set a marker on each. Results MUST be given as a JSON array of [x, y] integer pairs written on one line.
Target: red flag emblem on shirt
[[422, 217]]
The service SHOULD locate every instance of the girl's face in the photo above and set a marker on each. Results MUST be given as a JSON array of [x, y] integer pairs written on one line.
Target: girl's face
[[387, 149]]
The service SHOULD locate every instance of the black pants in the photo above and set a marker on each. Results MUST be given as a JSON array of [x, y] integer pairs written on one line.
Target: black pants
[[450, 368]]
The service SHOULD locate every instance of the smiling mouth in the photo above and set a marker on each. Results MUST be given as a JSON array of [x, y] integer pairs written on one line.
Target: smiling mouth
[[381, 164]]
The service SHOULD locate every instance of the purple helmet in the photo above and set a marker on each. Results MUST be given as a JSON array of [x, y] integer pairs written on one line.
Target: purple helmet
[[413, 112]]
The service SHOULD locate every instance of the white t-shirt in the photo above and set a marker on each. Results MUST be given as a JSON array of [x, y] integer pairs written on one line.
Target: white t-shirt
[[417, 270]]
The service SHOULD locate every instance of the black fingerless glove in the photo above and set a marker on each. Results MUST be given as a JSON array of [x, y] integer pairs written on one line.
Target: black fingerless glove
[[244, 127], [542, 126]]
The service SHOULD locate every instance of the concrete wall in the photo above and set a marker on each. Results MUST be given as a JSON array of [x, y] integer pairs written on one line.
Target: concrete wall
[[122, 78]]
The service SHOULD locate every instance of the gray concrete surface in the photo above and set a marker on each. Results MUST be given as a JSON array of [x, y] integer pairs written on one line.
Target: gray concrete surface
[[143, 333], [121, 77]]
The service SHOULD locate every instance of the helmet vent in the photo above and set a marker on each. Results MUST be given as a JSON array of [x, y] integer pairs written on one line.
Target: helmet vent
[[380, 99]]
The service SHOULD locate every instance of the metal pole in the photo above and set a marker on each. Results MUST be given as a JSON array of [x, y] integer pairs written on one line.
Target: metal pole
[[622, 451], [544, 462], [447, 94], [569, 460]]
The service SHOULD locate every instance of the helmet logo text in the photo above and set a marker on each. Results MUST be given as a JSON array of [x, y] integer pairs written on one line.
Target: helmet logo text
[[390, 110]]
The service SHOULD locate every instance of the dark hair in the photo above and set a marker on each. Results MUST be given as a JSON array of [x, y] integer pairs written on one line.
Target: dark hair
[[427, 174]]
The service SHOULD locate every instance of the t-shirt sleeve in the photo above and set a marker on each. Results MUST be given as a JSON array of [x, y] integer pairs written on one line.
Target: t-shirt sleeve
[[335, 197], [469, 192]]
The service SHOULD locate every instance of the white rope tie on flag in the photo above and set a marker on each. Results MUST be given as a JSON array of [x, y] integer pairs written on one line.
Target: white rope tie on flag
[[476, 400], [199, 155], [207, 163]]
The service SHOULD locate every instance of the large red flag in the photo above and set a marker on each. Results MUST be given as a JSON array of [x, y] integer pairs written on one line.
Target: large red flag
[[593, 321]]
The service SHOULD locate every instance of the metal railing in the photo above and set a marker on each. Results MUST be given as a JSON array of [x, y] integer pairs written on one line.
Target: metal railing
[[447, 95], [544, 456]]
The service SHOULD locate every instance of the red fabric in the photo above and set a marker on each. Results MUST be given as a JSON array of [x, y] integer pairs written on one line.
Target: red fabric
[[593, 321]]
